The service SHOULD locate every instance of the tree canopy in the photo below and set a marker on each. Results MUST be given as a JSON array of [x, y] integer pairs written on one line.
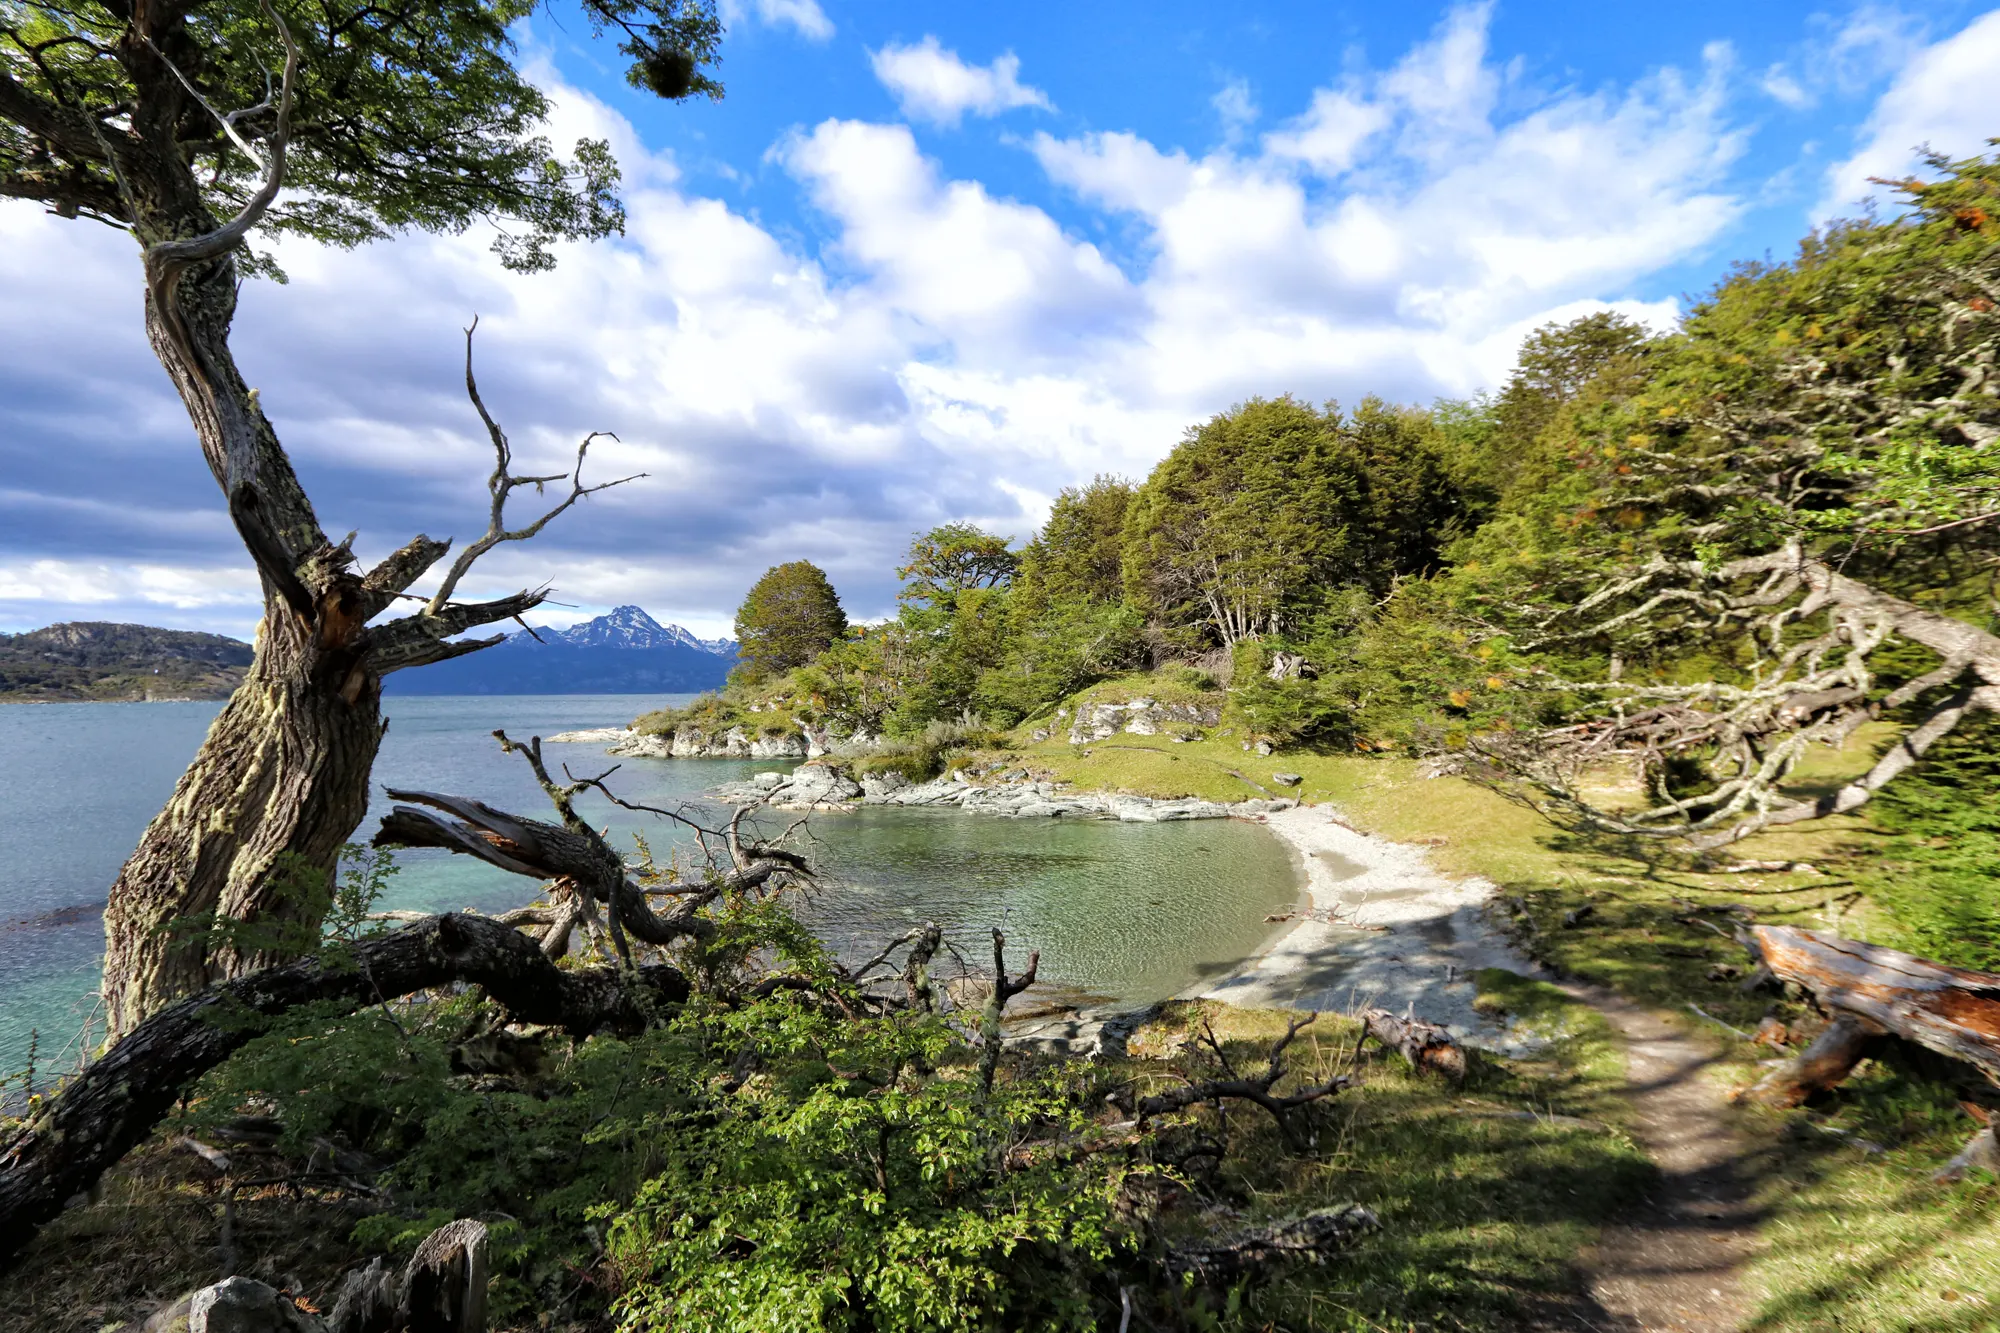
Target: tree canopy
[[789, 617], [151, 118], [1266, 507]]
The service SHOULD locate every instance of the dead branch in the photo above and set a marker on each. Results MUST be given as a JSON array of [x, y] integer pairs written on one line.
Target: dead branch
[[113, 1104], [1313, 1238], [1749, 738], [1005, 988], [1235, 1085], [503, 483], [1870, 991]]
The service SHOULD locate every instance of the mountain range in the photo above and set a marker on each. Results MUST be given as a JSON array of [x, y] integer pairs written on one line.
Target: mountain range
[[624, 651]]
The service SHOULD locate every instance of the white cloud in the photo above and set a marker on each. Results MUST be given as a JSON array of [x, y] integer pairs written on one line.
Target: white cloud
[[1944, 95], [1236, 108], [950, 354], [803, 16], [1783, 88], [933, 84], [1330, 136]]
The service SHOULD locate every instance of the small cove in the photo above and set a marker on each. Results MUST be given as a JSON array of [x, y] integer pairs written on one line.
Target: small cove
[[1135, 912]]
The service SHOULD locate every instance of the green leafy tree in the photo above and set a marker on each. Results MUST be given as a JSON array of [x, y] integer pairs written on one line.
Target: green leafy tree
[[1265, 508], [1788, 527], [790, 617], [951, 559], [195, 126], [1079, 553]]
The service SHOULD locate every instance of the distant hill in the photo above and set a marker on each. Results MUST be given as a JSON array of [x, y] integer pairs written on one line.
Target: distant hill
[[623, 652], [98, 660]]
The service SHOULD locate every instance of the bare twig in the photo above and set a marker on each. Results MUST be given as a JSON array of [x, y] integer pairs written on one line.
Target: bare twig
[[503, 483]]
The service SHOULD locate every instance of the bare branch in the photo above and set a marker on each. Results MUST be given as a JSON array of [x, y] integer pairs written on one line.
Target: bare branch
[[503, 483]]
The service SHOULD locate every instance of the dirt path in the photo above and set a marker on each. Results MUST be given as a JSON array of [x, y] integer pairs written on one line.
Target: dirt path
[[1674, 1265]]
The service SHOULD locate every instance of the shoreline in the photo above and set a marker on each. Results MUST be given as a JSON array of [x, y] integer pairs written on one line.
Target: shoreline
[[1385, 930], [1376, 925]]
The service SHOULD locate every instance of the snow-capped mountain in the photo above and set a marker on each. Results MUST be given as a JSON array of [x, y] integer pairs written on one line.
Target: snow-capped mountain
[[623, 652], [628, 627]]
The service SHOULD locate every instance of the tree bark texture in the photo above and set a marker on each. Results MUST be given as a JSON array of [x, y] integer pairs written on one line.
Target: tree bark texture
[[1870, 990], [1427, 1046], [1830, 1058], [114, 1104]]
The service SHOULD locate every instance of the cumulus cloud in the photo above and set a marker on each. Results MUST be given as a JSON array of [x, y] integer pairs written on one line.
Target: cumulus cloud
[[1944, 96], [933, 84], [803, 16], [950, 353]]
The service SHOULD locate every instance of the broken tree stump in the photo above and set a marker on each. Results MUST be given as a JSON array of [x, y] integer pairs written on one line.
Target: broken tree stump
[[1870, 992], [1427, 1046], [1830, 1058]]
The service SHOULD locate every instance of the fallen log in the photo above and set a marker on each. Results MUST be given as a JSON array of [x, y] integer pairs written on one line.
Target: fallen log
[[1427, 1046], [1830, 1058], [1870, 992], [111, 1106], [1313, 1238]]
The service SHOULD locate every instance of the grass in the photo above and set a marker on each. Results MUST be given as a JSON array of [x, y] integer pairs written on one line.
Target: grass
[[1854, 1240], [1483, 1197]]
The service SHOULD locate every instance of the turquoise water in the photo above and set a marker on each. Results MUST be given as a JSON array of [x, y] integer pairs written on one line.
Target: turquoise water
[[1126, 910]]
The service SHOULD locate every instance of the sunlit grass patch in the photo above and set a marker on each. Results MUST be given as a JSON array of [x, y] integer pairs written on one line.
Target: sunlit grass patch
[[1485, 1192], [1864, 1239]]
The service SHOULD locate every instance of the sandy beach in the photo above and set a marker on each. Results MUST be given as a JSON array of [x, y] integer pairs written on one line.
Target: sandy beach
[[1386, 930]]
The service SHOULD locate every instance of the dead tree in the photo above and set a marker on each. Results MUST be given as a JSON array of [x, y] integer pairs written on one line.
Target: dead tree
[[1871, 992], [1812, 467]]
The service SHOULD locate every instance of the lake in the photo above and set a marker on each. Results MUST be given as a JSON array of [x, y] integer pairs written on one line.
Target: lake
[[1132, 911]]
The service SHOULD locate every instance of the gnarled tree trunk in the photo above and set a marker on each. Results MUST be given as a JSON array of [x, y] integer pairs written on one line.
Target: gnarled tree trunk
[[246, 846]]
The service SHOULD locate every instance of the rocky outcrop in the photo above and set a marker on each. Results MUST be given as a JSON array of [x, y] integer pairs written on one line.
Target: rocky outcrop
[[1102, 719], [821, 787], [691, 742]]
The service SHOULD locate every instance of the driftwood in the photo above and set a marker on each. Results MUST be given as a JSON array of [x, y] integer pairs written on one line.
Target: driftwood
[[1427, 1046], [1871, 992], [1312, 1238], [109, 1108]]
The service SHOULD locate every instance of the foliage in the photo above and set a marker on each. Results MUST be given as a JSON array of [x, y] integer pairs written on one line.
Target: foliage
[[1078, 556], [1935, 876], [952, 559], [405, 119], [789, 617], [749, 1163]]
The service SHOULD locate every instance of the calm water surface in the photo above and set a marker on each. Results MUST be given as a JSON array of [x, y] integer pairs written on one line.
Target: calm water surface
[[1127, 910]]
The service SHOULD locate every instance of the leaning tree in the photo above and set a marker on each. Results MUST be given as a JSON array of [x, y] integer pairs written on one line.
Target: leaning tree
[[197, 126], [1791, 530]]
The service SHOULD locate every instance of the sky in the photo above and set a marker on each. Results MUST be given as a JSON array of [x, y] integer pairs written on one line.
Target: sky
[[927, 263]]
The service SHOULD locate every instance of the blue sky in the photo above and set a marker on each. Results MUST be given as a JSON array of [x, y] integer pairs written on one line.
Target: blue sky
[[936, 262]]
